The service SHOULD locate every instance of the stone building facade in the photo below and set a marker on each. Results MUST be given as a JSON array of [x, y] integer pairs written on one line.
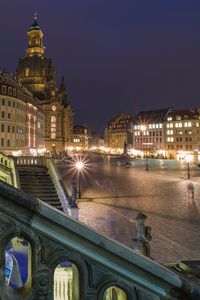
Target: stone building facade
[[82, 137], [149, 133], [21, 118], [118, 133], [182, 133], [35, 72]]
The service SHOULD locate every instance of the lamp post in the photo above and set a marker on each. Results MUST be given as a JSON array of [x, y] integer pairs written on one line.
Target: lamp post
[[147, 166], [188, 159], [79, 167]]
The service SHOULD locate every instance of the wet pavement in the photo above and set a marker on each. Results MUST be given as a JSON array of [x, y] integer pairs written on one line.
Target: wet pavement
[[113, 194]]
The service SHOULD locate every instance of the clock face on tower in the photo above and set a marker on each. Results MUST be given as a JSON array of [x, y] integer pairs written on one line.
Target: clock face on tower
[[53, 107]]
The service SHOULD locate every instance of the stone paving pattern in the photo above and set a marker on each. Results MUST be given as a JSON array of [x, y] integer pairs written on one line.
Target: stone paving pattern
[[112, 195]]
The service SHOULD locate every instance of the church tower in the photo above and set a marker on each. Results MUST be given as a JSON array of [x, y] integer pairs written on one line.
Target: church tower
[[36, 73], [35, 70]]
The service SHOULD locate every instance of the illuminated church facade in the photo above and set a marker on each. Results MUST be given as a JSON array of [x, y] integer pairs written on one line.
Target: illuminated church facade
[[35, 72]]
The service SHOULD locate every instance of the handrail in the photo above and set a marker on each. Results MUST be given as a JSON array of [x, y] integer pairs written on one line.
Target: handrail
[[59, 186]]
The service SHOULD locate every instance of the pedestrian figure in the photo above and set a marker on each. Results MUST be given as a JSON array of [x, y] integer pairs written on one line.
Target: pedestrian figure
[[73, 197], [142, 245], [190, 188]]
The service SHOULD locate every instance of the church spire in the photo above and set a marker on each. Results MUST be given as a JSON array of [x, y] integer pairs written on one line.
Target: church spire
[[35, 36], [63, 91]]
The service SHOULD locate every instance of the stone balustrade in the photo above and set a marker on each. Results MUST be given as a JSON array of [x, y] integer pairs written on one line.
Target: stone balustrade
[[100, 263]]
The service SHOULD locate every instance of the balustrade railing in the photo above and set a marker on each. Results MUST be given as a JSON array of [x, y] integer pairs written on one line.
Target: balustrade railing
[[8, 170], [59, 186], [31, 160]]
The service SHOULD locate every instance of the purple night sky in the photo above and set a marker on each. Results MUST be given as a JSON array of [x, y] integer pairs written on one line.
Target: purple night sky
[[116, 56]]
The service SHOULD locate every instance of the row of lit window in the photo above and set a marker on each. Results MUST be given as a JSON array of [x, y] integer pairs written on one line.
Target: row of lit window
[[178, 117], [76, 140], [139, 140], [185, 124], [151, 126], [150, 133], [187, 139], [181, 147], [11, 129], [18, 117], [7, 143], [12, 103], [170, 132]]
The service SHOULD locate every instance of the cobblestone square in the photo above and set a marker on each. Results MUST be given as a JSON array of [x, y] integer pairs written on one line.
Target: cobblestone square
[[112, 195]]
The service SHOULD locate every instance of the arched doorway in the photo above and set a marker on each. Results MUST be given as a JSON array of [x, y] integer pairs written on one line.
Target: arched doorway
[[114, 293], [18, 263], [66, 281]]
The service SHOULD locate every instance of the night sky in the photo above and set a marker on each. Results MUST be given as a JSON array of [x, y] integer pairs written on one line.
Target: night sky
[[116, 55]]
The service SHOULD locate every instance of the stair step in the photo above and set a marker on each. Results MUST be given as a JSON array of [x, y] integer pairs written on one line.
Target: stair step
[[36, 182]]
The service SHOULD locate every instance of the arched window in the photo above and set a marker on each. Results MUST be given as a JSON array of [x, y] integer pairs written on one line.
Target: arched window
[[27, 72], [18, 263], [114, 293], [66, 281], [53, 127]]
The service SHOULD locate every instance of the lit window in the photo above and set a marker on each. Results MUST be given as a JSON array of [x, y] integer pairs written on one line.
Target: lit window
[[169, 118], [170, 139], [27, 72], [170, 132], [53, 127]]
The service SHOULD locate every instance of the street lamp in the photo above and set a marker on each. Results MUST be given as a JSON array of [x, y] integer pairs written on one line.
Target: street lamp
[[188, 158], [79, 167], [147, 166], [143, 128]]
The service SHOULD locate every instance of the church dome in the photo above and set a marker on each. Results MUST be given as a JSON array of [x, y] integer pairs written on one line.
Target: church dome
[[34, 26]]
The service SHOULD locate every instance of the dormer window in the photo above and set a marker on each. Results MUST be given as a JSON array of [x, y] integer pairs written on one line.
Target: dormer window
[[178, 118]]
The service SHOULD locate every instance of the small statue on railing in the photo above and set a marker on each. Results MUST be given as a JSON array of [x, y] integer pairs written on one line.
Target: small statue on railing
[[141, 243], [73, 197]]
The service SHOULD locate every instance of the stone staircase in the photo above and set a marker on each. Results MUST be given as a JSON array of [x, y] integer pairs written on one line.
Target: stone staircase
[[36, 181]]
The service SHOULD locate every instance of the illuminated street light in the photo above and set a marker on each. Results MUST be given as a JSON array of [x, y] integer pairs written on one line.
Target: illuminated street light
[[79, 166]]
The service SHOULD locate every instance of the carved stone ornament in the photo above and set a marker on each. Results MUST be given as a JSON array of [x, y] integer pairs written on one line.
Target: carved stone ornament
[[42, 279]]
